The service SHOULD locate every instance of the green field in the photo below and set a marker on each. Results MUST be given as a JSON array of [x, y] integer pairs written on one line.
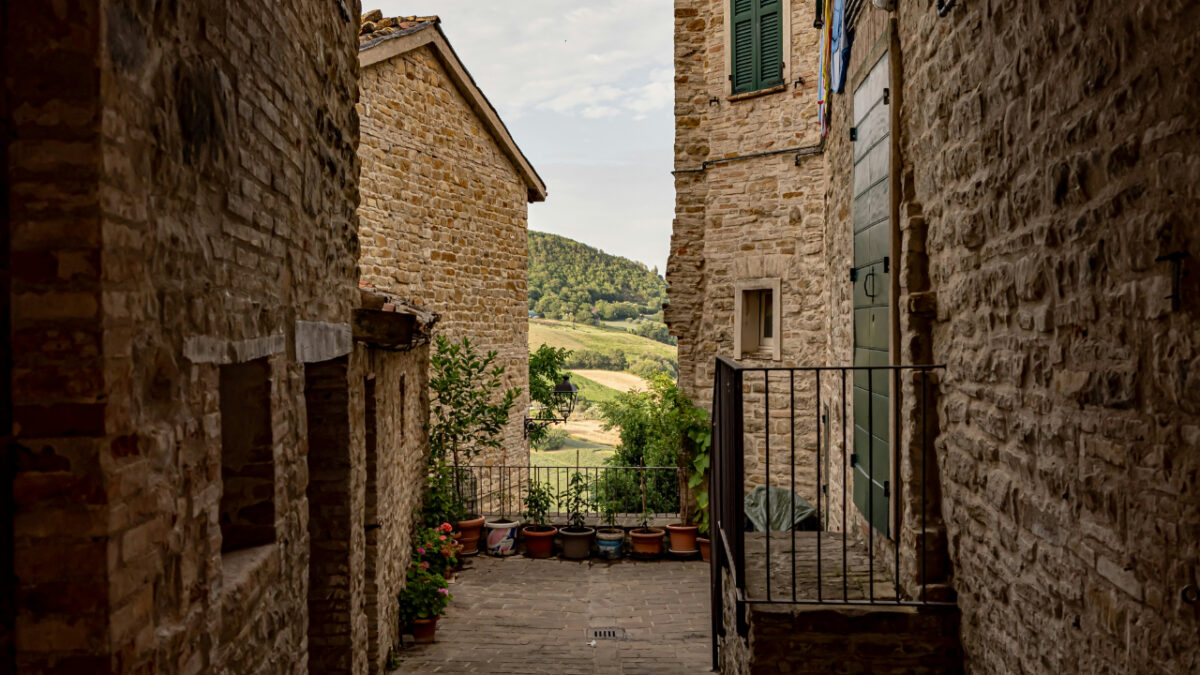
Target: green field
[[593, 392], [598, 338], [590, 454]]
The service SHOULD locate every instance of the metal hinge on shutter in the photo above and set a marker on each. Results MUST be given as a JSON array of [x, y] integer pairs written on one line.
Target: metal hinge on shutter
[[853, 134], [887, 95]]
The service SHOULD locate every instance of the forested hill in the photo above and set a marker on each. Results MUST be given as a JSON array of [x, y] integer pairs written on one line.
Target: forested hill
[[573, 281]]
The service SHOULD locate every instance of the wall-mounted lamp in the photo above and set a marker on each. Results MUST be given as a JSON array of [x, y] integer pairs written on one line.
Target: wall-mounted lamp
[[565, 395]]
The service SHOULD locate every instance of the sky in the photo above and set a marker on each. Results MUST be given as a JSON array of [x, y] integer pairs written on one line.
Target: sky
[[587, 92]]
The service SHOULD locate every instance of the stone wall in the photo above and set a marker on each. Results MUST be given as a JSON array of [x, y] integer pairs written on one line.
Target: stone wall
[[739, 220], [443, 216], [396, 454], [1045, 165], [182, 191]]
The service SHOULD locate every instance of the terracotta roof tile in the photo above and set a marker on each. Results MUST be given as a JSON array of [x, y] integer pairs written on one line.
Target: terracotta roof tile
[[376, 26]]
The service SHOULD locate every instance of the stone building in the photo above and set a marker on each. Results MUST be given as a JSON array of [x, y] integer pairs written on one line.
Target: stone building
[[216, 433], [445, 192], [747, 260], [1014, 188]]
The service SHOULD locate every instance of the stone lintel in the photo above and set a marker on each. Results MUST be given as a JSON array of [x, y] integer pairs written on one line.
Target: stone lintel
[[208, 349], [317, 341]]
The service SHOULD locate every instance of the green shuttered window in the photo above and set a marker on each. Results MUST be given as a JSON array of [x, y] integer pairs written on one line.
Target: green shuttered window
[[757, 44]]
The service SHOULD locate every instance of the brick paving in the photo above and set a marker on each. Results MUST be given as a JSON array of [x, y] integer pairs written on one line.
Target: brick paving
[[517, 615]]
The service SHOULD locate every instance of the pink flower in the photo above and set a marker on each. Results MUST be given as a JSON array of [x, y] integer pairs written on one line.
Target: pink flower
[[442, 537], [443, 591], [421, 551], [446, 527], [424, 565]]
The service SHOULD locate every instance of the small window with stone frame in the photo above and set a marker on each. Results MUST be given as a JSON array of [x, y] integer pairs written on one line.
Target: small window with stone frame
[[756, 318]]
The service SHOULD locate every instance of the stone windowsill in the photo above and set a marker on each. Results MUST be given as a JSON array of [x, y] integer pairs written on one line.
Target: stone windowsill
[[734, 98], [242, 568]]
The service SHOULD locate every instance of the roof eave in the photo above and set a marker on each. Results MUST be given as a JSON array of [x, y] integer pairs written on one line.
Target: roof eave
[[402, 42]]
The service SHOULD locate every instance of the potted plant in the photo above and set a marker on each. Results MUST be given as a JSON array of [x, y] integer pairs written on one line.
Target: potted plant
[[610, 538], [684, 534], [539, 536], [502, 532], [577, 536], [422, 601], [647, 541]]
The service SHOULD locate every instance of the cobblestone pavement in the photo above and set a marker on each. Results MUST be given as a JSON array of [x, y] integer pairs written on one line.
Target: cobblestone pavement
[[517, 615]]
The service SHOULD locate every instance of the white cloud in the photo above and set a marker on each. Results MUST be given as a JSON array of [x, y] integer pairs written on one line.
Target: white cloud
[[587, 89], [562, 55]]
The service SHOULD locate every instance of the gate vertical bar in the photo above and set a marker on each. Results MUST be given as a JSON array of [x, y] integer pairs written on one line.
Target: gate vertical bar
[[767, 473], [820, 579]]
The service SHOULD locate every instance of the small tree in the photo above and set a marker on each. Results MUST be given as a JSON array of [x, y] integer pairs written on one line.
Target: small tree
[[468, 411], [465, 416], [661, 427], [576, 501], [537, 504], [545, 371]]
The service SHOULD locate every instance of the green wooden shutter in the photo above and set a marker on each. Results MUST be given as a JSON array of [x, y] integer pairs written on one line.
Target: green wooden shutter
[[770, 43], [757, 44], [744, 48]]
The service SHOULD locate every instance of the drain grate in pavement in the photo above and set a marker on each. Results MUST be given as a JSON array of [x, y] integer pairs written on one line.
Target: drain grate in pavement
[[606, 634]]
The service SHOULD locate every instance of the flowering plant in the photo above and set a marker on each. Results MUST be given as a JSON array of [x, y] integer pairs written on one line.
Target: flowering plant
[[434, 550], [425, 595]]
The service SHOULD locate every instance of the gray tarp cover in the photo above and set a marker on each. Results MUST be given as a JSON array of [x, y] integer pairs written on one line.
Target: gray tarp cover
[[781, 505]]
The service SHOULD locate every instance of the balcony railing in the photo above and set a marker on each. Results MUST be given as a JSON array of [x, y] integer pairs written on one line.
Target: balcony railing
[[501, 489], [853, 442]]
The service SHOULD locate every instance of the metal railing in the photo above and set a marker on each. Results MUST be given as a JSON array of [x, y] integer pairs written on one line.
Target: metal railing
[[492, 490], [840, 562]]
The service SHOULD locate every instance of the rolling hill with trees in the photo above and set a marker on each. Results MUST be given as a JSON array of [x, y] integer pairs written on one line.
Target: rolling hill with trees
[[582, 284]]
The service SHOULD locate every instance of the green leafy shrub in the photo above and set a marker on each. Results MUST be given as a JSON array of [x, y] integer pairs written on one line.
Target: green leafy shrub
[[425, 594], [574, 498], [552, 439], [648, 366], [596, 360], [433, 549], [468, 411], [655, 331], [469, 407], [537, 504], [658, 427], [546, 370]]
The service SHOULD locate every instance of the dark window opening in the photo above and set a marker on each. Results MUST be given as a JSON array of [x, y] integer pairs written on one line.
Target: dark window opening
[[247, 456]]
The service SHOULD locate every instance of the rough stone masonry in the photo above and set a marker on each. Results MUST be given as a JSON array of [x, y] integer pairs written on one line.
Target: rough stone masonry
[[180, 242], [445, 189], [1043, 170], [745, 219]]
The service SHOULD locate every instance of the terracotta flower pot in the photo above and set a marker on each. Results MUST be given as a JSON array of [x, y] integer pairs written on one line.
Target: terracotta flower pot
[[647, 543], [683, 539], [577, 544], [539, 543], [705, 548], [468, 534], [424, 630], [502, 537], [609, 542]]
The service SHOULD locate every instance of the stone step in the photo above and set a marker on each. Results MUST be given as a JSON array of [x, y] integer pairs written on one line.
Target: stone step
[[878, 639]]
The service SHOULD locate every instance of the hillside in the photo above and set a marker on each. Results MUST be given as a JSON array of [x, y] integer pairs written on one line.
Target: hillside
[[576, 282], [581, 337]]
